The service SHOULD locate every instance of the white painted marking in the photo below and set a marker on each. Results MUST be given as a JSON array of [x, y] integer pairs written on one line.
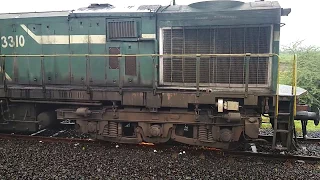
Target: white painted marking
[[148, 36], [7, 76], [56, 134], [276, 36], [21, 41], [65, 39], [17, 41], [11, 42], [38, 132], [253, 148], [4, 41]]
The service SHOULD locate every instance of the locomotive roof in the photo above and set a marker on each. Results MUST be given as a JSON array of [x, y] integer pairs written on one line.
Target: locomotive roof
[[221, 5], [205, 6], [96, 8], [34, 14]]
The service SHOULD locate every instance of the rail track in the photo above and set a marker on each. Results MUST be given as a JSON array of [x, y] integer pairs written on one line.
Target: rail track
[[299, 139], [217, 151]]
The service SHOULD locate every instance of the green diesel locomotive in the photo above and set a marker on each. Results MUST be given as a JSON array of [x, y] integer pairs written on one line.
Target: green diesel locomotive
[[200, 74]]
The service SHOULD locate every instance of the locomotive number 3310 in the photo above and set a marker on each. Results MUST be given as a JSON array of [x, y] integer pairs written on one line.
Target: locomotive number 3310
[[12, 41]]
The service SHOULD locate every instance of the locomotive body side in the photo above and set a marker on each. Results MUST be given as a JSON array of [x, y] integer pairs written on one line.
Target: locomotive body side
[[100, 67], [76, 34]]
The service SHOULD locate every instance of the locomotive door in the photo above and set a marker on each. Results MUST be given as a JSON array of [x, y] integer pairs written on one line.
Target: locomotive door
[[138, 70], [122, 71], [129, 64], [125, 36], [112, 64]]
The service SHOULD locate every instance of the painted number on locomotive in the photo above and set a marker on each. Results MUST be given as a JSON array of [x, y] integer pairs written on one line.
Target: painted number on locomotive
[[12, 41]]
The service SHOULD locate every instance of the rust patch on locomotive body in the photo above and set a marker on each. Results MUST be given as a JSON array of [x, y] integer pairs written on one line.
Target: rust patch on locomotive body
[[133, 99]]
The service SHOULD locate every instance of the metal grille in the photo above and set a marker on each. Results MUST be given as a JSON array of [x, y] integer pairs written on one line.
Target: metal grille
[[122, 29], [130, 66], [113, 60], [219, 71]]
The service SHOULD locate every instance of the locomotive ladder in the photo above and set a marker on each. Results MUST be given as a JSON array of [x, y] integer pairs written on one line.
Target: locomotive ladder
[[287, 126]]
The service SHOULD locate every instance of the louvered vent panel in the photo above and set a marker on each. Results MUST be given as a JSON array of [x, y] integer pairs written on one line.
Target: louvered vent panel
[[223, 46], [220, 71], [237, 68], [122, 29]]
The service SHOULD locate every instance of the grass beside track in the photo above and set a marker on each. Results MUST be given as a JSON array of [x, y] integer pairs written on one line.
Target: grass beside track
[[310, 127]]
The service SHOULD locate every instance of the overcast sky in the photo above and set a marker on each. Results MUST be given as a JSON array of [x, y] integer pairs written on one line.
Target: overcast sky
[[301, 24]]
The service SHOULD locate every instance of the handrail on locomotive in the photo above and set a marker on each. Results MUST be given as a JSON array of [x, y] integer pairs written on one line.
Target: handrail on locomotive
[[197, 56], [246, 56]]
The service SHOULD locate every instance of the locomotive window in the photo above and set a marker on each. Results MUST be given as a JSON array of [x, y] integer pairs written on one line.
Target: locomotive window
[[122, 29]]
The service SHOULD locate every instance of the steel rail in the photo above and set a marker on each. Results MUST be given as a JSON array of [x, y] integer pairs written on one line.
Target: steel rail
[[217, 151], [274, 156], [301, 139], [47, 139]]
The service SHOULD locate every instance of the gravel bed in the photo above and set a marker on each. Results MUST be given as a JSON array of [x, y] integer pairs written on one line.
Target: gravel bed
[[33, 160], [70, 133], [307, 149], [64, 132], [303, 149], [310, 134], [266, 132]]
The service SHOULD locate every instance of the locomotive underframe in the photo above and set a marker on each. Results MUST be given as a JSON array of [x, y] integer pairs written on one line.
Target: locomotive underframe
[[132, 117]]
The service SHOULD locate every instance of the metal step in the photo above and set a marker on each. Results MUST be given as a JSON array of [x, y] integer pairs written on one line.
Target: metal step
[[283, 122], [284, 114], [281, 148], [282, 131]]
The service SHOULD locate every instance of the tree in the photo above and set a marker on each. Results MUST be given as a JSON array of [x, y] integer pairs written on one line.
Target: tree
[[308, 70]]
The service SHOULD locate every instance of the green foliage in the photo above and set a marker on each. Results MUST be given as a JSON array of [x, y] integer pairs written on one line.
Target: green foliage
[[310, 127], [308, 70]]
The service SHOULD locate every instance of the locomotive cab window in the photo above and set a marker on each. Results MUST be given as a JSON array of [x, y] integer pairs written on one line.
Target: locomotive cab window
[[122, 29]]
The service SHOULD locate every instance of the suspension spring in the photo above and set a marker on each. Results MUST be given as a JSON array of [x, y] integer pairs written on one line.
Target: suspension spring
[[204, 134], [113, 129]]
